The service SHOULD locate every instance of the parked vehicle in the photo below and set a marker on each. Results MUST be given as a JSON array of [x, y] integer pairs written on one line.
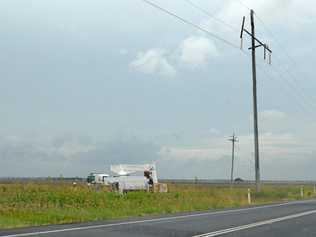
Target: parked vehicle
[[94, 178], [129, 177]]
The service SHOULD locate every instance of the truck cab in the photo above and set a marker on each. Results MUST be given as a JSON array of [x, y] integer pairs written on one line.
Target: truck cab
[[94, 178]]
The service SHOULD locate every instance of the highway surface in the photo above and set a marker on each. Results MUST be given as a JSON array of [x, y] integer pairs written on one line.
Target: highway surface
[[284, 219]]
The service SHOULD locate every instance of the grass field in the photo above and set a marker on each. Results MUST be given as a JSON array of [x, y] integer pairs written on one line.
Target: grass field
[[39, 203]]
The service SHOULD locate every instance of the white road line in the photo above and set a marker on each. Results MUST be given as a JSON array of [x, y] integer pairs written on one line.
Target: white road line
[[256, 224], [154, 220]]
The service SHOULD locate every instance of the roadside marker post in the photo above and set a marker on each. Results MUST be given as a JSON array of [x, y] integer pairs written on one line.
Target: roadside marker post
[[302, 191], [249, 196]]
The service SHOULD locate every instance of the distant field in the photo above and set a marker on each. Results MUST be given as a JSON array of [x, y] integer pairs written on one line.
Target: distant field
[[55, 202]]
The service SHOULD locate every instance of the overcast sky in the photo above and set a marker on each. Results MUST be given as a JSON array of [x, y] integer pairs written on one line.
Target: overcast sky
[[85, 84]]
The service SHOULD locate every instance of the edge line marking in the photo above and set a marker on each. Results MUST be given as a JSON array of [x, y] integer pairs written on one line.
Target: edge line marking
[[256, 224], [155, 219]]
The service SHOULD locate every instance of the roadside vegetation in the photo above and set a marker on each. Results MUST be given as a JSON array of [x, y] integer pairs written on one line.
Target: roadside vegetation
[[29, 204]]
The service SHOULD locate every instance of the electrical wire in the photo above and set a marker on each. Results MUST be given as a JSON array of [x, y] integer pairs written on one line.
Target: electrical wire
[[243, 4], [207, 13], [299, 97], [294, 83], [191, 24], [287, 92], [284, 51]]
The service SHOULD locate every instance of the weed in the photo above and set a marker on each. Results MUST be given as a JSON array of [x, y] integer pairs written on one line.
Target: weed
[[57, 202]]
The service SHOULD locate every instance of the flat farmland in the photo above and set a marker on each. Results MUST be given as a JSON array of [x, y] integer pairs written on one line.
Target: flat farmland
[[56, 202]]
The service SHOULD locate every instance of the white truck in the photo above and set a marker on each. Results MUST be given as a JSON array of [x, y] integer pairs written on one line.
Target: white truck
[[133, 177]]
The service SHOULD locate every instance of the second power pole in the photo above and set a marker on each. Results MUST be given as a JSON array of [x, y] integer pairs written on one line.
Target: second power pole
[[233, 140]]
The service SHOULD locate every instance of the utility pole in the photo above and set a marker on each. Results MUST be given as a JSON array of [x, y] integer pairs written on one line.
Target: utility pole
[[255, 109], [253, 48], [233, 139]]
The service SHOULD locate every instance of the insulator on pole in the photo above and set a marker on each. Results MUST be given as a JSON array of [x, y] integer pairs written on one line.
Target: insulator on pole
[[242, 27], [264, 51]]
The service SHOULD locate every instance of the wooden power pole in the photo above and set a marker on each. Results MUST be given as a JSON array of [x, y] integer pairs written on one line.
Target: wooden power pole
[[233, 139], [253, 48]]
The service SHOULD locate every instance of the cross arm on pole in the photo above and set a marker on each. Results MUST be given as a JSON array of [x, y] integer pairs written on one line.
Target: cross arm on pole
[[258, 41]]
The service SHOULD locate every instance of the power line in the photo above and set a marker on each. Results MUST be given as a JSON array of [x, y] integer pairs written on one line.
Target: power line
[[194, 5], [284, 49], [191, 24], [294, 81], [286, 93], [288, 90], [295, 87], [275, 39], [290, 59], [294, 84], [243, 4], [210, 33]]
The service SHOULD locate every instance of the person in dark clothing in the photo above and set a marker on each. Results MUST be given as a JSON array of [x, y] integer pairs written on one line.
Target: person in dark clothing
[[150, 181], [149, 178]]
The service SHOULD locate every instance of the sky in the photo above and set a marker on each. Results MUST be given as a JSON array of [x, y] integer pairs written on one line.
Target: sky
[[86, 84]]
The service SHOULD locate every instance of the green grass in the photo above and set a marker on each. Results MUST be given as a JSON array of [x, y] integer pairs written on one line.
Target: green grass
[[55, 203]]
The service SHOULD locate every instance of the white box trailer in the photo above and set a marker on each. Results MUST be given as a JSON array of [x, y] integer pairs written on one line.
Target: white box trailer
[[129, 183]]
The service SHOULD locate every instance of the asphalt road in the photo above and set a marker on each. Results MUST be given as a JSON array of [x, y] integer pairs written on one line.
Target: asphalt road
[[285, 219]]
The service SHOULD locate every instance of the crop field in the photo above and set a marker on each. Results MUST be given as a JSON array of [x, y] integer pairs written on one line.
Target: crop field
[[40, 203]]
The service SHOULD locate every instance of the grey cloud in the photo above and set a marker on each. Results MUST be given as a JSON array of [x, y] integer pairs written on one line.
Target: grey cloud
[[122, 152], [70, 156], [190, 168], [65, 69]]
